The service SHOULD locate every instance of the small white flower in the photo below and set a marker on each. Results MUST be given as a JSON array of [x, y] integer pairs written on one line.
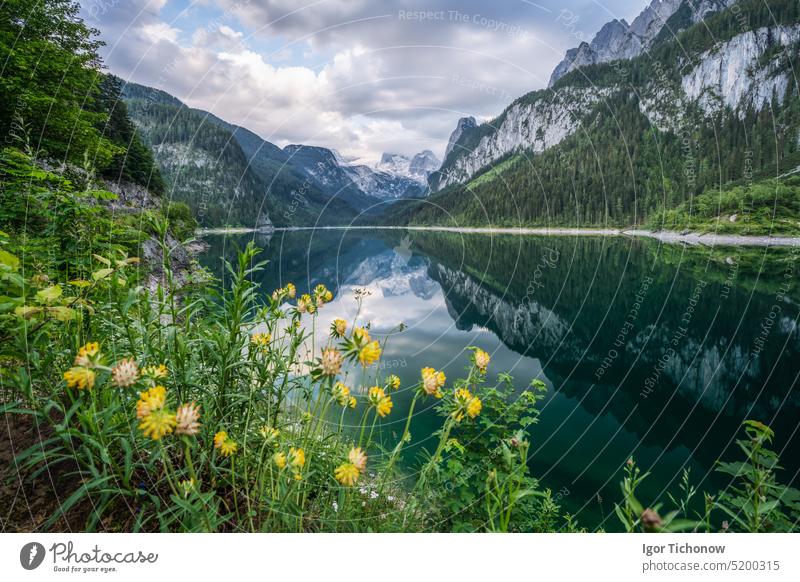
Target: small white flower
[[373, 495], [390, 497], [336, 507]]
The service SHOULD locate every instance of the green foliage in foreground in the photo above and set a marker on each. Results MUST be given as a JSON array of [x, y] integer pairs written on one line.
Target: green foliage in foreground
[[762, 208]]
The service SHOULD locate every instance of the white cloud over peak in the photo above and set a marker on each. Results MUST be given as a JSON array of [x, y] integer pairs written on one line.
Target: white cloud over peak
[[358, 76]]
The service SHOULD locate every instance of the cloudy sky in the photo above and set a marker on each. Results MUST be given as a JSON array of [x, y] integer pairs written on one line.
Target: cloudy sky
[[360, 76]]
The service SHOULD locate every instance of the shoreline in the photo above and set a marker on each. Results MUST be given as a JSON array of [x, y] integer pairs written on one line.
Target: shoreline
[[670, 237]]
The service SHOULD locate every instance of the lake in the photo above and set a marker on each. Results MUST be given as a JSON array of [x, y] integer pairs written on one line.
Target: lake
[[648, 350]]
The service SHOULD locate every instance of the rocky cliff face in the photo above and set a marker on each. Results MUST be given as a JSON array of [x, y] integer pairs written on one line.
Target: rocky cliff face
[[535, 125], [463, 124], [417, 168], [619, 40], [745, 70]]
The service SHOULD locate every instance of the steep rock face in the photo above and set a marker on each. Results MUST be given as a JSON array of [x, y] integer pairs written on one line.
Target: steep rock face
[[423, 164], [743, 71], [536, 126], [417, 168], [619, 40], [463, 124], [734, 75]]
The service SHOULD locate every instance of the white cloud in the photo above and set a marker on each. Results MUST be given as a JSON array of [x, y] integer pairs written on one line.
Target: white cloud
[[385, 83]]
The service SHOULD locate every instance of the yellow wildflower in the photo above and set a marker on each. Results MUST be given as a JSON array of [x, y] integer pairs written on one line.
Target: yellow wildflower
[[382, 403], [341, 394], [305, 304], [353, 402], [279, 459], [466, 403], [297, 457], [226, 445], [384, 406], [432, 381], [346, 474], [158, 423], [474, 407], [369, 354], [87, 355], [291, 290], [392, 382], [375, 394], [155, 372], [268, 433], [150, 400], [260, 339], [338, 327], [360, 335], [80, 377]]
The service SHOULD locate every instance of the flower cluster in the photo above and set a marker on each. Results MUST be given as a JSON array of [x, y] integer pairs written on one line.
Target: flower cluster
[[433, 382], [261, 340], [360, 346], [481, 360], [225, 444], [309, 303], [348, 473], [331, 362], [465, 403], [82, 374], [294, 460], [392, 382], [152, 374], [125, 373], [155, 420], [338, 328], [381, 402], [287, 292], [341, 394]]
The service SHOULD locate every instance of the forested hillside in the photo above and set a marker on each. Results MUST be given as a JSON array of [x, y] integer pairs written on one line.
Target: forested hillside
[[618, 142], [57, 104]]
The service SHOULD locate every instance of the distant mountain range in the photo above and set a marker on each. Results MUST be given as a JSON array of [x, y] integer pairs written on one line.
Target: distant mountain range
[[229, 175]]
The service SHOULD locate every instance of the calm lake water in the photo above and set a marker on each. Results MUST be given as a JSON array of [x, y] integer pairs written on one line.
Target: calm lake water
[[653, 351]]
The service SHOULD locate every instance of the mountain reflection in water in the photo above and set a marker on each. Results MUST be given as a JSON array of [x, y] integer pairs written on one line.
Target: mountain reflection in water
[[651, 351]]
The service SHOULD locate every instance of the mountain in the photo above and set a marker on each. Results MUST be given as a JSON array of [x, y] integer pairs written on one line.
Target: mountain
[[227, 174], [358, 184], [465, 123], [417, 168], [619, 40], [615, 142], [200, 162]]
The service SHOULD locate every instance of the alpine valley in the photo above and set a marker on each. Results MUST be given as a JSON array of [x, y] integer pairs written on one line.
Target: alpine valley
[[229, 176]]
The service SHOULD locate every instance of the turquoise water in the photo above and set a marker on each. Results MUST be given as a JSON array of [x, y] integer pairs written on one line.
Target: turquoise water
[[651, 351]]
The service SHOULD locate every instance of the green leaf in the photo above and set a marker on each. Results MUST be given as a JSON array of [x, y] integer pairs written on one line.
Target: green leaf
[[101, 274], [62, 313], [9, 260], [49, 295]]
